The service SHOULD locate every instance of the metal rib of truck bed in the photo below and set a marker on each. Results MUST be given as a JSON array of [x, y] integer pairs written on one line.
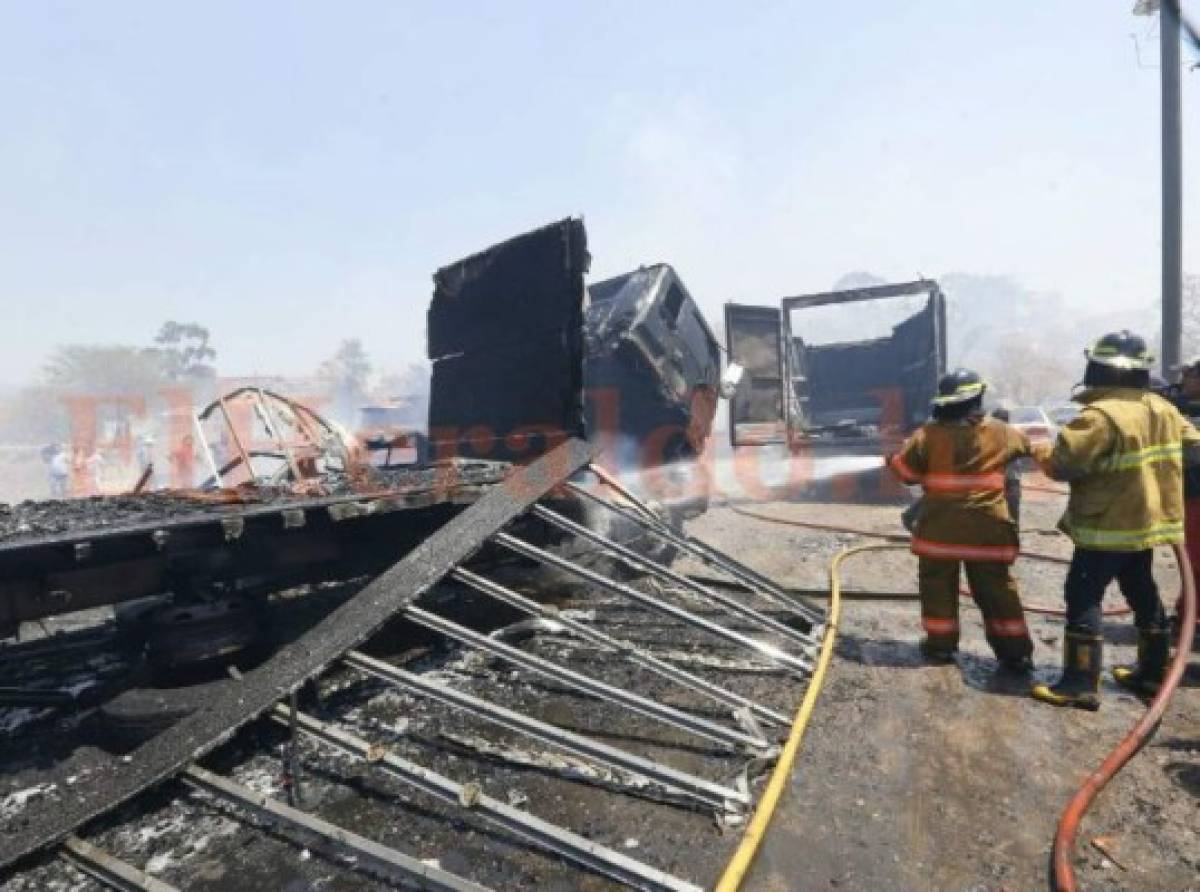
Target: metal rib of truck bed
[[51, 819]]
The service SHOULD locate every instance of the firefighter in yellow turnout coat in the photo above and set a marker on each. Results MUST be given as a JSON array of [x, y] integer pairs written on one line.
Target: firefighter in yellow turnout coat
[[1123, 456], [959, 459]]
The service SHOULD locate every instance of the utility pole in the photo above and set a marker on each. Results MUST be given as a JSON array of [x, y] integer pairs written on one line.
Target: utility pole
[[1172, 191]]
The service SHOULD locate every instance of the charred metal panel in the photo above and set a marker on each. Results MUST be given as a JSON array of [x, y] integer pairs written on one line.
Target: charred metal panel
[[877, 384], [845, 379], [653, 365], [506, 343], [756, 411]]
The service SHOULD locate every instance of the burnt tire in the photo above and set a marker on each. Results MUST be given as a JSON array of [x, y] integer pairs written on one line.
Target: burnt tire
[[132, 620], [136, 716], [139, 714], [200, 633]]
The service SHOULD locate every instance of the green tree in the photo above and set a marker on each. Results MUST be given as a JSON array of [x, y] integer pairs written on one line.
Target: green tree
[[185, 350]]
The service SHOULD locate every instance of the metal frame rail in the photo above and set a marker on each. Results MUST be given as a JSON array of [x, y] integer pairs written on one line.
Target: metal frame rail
[[269, 690]]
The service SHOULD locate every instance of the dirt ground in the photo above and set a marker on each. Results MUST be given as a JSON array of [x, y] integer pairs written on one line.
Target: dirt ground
[[952, 778]]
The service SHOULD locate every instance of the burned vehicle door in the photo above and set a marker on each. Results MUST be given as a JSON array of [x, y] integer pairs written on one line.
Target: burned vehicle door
[[758, 411], [653, 365]]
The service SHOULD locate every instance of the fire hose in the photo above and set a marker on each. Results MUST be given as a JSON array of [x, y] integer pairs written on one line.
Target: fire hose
[[1068, 823], [739, 864], [1039, 609]]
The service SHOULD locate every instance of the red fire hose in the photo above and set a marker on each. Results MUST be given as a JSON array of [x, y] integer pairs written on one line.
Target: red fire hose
[[1040, 609], [1068, 824]]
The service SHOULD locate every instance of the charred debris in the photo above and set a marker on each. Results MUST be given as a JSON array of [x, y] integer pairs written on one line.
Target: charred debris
[[303, 558], [523, 358], [525, 355], [842, 394]]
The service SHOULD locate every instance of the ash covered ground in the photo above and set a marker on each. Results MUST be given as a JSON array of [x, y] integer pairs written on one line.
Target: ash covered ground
[[188, 840]]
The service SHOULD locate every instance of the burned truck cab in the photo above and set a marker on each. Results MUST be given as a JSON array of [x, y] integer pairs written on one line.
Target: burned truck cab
[[652, 366], [526, 354]]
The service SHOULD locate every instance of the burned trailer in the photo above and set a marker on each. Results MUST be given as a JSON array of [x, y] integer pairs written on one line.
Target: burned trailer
[[218, 547], [287, 497], [851, 395]]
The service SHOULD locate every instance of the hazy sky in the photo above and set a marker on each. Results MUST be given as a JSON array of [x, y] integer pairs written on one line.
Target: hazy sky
[[290, 174]]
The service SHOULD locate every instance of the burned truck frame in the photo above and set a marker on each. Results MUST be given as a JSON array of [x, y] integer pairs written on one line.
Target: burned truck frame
[[849, 392], [288, 501]]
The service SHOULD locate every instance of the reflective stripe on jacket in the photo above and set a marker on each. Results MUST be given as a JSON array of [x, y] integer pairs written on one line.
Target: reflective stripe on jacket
[[960, 465], [1123, 456]]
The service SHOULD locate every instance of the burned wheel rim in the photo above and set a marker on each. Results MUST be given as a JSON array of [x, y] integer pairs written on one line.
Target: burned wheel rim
[[181, 635]]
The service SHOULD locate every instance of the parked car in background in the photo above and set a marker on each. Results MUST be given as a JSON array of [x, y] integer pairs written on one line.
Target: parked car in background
[[1063, 413], [1033, 422]]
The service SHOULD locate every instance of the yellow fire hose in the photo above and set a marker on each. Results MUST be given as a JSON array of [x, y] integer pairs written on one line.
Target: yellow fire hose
[[739, 864]]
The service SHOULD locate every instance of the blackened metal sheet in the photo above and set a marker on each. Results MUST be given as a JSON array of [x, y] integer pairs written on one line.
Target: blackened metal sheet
[[506, 343], [756, 412], [887, 382], [52, 817]]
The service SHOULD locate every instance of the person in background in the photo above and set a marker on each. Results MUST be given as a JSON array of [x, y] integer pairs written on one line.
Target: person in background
[[1123, 456], [1185, 396], [959, 460], [94, 466], [59, 466]]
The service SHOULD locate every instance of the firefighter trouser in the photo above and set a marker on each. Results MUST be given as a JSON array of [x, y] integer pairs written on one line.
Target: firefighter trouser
[[995, 591], [1090, 574]]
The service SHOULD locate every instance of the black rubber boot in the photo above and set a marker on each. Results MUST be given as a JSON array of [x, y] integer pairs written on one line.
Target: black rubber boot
[[1145, 676], [1017, 665], [1079, 686], [938, 656]]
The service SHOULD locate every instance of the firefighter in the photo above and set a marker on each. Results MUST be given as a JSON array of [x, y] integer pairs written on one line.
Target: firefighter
[[1123, 457], [959, 459]]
